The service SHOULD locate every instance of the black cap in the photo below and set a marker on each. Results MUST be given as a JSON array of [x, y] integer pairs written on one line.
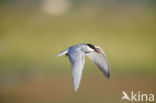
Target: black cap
[[91, 46]]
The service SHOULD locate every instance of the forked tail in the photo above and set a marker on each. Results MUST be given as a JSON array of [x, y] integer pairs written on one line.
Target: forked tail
[[63, 53]]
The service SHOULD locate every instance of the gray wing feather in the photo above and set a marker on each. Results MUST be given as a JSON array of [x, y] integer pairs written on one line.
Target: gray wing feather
[[100, 60], [77, 59]]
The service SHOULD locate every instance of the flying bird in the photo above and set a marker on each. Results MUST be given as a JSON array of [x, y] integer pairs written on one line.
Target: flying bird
[[76, 55]]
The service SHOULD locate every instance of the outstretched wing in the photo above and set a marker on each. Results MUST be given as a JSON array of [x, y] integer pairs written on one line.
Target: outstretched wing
[[100, 60], [77, 59]]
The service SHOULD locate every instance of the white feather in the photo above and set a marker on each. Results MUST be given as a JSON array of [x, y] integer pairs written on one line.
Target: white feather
[[76, 55], [63, 52], [77, 59], [100, 60]]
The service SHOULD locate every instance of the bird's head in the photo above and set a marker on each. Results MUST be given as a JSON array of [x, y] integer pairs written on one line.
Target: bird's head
[[91, 48]]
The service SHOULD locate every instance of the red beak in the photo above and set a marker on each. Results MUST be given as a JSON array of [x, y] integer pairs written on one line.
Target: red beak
[[96, 50]]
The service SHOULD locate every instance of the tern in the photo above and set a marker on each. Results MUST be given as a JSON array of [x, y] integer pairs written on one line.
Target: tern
[[76, 55]]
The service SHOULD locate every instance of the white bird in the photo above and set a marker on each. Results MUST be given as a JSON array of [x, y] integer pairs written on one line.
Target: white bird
[[76, 55]]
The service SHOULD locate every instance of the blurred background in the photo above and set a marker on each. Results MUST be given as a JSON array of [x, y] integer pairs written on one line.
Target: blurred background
[[33, 32]]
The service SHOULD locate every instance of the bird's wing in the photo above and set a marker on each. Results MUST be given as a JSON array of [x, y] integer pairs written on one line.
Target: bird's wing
[[100, 60], [77, 59]]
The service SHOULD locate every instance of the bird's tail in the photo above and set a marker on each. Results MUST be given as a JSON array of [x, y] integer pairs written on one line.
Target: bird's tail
[[63, 53]]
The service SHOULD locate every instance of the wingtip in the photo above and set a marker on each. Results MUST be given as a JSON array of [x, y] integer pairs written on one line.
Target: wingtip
[[75, 90], [108, 75]]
